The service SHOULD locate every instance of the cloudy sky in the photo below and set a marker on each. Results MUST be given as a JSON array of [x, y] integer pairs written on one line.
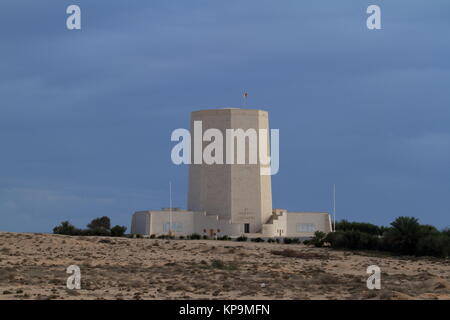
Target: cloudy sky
[[86, 116]]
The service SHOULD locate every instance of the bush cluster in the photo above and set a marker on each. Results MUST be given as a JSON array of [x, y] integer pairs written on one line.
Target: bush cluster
[[224, 238], [369, 228], [194, 236], [291, 240], [318, 240], [405, 236], [241, 238], [97, 227], [165, 236]]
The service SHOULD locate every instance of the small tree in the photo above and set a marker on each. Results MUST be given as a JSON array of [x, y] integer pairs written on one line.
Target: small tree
[[319, 238], [434, 245], [241, 238], [428, 230], [118, 231], [65, 228], [404, 235], [100, 223]]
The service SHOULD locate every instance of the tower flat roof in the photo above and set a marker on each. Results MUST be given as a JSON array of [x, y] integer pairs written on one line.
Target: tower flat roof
[[230, 110]]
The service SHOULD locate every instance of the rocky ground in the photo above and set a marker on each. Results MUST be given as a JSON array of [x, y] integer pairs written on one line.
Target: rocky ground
[[33, 266]]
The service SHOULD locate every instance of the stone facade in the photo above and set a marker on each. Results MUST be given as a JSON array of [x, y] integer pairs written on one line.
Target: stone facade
[[236, 192]]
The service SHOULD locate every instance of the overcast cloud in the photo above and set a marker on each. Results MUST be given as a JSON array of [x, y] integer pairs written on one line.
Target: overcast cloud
[[86, 116]]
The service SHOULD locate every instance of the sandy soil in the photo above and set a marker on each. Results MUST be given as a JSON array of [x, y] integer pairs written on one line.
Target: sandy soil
[[33, 266]]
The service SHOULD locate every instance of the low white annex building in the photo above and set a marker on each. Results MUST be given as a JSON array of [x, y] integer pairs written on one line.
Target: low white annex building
[[230, 199]]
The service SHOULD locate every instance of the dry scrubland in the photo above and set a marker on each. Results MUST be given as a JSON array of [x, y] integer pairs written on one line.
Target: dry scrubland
[[33, 266]]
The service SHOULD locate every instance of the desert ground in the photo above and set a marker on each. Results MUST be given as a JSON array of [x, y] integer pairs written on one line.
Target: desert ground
[[33, 266]]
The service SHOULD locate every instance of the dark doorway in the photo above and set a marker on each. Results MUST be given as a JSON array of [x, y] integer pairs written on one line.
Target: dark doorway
[[247, 228]]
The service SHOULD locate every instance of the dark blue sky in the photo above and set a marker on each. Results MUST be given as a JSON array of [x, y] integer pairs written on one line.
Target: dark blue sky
[[86, 116]]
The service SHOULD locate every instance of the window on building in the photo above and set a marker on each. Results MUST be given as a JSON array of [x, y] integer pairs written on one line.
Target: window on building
[[247, 228], [176, 227], [306, 227]]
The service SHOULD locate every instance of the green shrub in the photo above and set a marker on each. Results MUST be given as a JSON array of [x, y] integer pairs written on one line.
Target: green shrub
[[95, 232], [100, 223], [241, 238], [437, 245], [428, 230], [194, 236], [352, 239], [446, 232], [287, 240], [224, 238], [319, 239], [67, 229], [369, 228], [403, 236], [257, 240], [165, 236], [97, 227], [118, 231]]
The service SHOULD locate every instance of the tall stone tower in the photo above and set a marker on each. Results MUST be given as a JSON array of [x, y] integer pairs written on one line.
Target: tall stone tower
[[235, 192]]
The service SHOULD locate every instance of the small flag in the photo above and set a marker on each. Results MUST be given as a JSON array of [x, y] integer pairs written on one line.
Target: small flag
[[245, 94]]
